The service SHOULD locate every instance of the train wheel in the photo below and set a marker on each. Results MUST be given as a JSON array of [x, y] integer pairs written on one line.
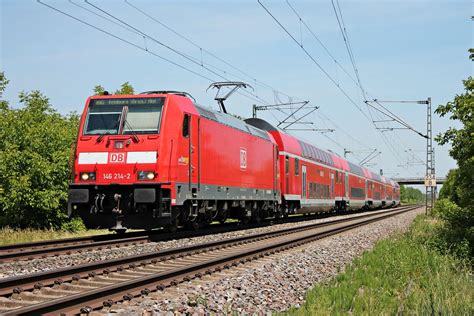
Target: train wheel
[[172, 227], [245, 220], [193, 225]]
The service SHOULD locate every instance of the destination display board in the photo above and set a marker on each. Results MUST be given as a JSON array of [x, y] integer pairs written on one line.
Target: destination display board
[[128, 101]]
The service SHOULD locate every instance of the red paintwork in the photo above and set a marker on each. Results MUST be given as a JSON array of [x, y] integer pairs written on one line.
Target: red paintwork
[[292, 184], [217, 147], [219, 151]]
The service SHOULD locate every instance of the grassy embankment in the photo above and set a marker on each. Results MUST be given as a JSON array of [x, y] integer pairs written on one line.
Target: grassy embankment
[[13, 236], [405, 274]]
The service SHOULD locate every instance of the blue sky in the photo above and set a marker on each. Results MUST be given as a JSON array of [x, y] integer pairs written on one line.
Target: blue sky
[[403, 50]]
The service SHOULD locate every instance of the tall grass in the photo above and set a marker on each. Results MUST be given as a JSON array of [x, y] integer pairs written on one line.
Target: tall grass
[[13, 236], [402, 275]]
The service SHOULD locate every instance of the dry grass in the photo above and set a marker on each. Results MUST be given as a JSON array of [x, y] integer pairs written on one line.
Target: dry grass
[[13, 236]]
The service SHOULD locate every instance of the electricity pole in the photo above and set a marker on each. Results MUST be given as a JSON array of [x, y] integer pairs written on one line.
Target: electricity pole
[[430, 177], [429, 160]]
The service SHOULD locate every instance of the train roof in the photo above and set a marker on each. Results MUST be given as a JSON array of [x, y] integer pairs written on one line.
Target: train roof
[[293, 145], [232, 121], [261, 128]]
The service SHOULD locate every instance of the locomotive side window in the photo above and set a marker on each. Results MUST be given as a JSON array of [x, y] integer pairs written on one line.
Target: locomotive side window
[[287, 164], [297, 166], [186, 125]]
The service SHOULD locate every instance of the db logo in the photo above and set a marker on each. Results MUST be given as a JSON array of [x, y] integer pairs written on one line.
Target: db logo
[[116, 157], [243, 158]]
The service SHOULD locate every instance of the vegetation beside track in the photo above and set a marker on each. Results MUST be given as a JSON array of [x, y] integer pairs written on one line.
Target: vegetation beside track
[[410, 274], [409, 195], [36, 143], [13, 236]]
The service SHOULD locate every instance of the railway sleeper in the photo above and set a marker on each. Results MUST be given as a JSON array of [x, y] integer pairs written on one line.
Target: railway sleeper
[[10, 303]]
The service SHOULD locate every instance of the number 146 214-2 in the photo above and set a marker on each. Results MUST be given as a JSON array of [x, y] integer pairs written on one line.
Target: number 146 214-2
[[117, 176]]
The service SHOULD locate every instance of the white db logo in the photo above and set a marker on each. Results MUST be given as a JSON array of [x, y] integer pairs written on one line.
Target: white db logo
[[116, 157], [243, 158]]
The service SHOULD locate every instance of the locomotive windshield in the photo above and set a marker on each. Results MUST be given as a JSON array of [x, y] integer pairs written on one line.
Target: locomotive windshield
[[124, 116]]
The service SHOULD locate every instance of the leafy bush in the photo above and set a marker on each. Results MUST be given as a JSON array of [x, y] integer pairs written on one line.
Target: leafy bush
[[410, 195], [456, 208], [74, 225], [35, 150], [456, 234], [35, 153]]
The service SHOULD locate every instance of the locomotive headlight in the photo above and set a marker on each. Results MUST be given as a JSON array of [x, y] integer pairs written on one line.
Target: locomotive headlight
[[87, 176], [146, 175]]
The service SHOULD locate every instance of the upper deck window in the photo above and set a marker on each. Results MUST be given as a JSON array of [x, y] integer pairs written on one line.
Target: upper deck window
[[124, 116]]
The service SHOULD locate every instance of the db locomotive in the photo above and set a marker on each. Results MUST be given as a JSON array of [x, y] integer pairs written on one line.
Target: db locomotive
[[157, 159]]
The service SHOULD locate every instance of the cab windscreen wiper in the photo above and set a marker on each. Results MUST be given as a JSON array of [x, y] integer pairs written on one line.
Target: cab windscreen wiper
[[99, 139], [133, 133]]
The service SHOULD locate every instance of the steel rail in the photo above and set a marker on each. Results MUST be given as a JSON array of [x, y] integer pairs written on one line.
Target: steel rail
[[41, 249], [91, 297], [28, 282]]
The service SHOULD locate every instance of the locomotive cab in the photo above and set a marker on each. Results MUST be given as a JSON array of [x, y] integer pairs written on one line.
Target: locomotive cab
[[116, 182]]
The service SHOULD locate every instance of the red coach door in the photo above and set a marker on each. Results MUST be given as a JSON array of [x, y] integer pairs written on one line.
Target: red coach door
[[191, 155], [303, 184], [194, 154]]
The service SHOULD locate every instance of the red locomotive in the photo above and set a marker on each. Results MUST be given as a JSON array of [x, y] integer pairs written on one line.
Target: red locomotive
[[157, 159]]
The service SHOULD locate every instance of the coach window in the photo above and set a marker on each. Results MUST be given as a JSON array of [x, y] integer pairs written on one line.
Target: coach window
[[287, 164], [297, 166], [186, 125]]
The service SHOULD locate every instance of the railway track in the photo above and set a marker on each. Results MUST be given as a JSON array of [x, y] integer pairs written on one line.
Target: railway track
[[42, 249], [84, 288]]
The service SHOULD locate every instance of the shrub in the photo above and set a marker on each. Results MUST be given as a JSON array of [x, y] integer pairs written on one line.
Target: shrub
[[35, 149], [456, 234], [74, 225]]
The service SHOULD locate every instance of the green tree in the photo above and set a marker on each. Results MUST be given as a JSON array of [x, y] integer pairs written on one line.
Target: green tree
[[448, 191], [125, 88], [3, 84], [461, 139], [457, 209], [99, 90], [35, 150], [410, 195]]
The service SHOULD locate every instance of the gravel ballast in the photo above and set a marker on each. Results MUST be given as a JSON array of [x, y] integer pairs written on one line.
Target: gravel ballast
[[67, 260], [272, 284]]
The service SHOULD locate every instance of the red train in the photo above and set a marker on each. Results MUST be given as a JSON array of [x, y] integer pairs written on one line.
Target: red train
[[157, 159]]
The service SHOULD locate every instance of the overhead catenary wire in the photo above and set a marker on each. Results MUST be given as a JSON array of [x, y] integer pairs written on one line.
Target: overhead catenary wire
[[202, 49], [188, 57], [124, 40], [142, 34], [314, 60], [313, 34], [258, 99], [342, 27], [345, 36]]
